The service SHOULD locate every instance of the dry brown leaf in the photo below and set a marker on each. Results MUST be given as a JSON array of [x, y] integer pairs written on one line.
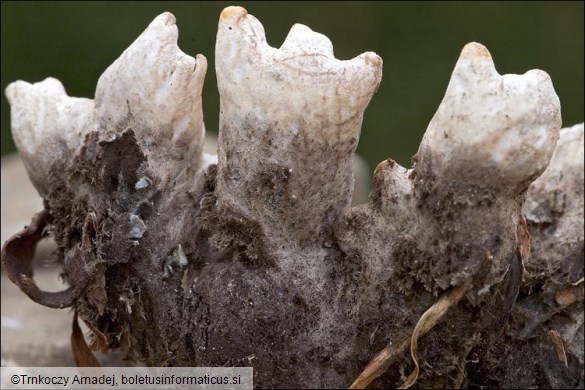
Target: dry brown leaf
[[571, 294], [100, 341], [17, 257], [82, 355]]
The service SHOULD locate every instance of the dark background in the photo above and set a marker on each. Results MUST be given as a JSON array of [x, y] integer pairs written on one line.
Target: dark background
[[418, 41]]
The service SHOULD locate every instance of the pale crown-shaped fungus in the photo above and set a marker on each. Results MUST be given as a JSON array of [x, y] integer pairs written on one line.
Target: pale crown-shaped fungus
[[506, 125], [47, 126], [153, 89], [289, 124]]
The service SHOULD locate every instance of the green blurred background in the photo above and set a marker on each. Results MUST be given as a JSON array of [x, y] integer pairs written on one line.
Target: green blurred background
[[418, 41]]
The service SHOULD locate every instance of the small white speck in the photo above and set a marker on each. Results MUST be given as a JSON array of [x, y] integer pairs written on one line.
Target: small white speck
[[483, 290], [137, 227], [143, 182]]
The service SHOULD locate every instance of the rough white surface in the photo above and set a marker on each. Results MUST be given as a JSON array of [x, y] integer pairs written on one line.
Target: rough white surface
[[506, 123], [290, 119], [302, 79], [46, 125], [157, 89], [275, 230], [549, 194], [153, 88]]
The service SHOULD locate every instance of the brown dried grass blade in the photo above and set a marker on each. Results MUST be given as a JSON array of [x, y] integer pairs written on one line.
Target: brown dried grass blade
[[426, 323], [557, 342], [380, 363]]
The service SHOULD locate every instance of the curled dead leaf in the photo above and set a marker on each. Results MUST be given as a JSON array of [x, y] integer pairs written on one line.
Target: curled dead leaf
[[17, 256]]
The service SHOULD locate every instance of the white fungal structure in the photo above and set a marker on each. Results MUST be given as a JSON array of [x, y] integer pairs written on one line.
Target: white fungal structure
[[564, 175], [47, 126], [153, 88], [309, 279], [491, 136], [289, 124], [506, 124]]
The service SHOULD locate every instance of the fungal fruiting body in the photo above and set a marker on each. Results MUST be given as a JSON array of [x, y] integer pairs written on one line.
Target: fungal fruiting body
[[289, 124], [254, 257]]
